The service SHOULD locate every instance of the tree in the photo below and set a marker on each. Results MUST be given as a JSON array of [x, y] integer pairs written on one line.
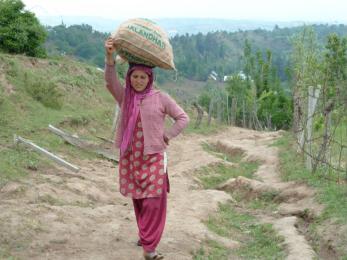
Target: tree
[[20, 30], [306, 71], [333, 93]]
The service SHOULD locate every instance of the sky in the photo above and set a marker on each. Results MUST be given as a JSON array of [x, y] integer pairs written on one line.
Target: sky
[[267, 10]]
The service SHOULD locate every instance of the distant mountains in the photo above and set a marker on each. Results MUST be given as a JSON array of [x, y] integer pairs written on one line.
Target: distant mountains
[[175, 25]]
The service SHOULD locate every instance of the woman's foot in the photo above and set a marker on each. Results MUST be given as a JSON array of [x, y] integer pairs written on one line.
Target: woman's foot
[[152, 256]]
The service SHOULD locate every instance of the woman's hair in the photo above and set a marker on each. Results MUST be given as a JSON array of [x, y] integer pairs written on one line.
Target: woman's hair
[[131, 65]]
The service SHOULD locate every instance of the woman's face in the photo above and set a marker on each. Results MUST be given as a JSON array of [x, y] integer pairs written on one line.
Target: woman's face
[[139, 80]]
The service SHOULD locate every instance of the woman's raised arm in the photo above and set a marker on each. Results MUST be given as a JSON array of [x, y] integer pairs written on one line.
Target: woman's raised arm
[[112, 82]]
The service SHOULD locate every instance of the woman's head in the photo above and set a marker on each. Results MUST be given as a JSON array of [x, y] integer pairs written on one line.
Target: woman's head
[[139, 80], [140, 77]]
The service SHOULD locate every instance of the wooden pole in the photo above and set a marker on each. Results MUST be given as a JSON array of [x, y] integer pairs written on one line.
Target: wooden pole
[[312, 102], [84, 144], [18, 139]]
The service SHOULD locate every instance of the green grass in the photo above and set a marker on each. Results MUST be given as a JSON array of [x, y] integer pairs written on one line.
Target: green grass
[[204, 128], [5, 255], [81, 105], [211, 251], [213, 175], [265, 201], [330, 193], [16, 162], [258, 241]]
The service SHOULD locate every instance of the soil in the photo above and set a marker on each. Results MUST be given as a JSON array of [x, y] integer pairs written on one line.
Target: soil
[[57, 214]]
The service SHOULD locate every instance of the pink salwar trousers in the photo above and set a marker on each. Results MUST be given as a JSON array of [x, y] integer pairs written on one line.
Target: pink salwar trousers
[[150, 217]]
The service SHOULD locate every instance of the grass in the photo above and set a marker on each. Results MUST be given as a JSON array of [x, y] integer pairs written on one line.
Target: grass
[[81, 105], [331, 194], [258, 241], [337, 153], [211, 251], [265, 201], [213, 175], [204, 128], [6, 255]]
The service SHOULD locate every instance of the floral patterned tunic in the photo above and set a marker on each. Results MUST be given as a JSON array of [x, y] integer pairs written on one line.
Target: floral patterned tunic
[[141, 176]]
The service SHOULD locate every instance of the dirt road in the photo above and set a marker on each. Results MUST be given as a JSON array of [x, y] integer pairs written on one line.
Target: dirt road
[[57, 214]]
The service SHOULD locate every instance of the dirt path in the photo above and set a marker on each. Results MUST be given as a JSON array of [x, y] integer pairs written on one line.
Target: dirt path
[[61, 215]]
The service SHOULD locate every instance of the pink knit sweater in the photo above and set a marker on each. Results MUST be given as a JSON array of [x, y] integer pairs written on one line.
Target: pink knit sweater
[[153, 110]]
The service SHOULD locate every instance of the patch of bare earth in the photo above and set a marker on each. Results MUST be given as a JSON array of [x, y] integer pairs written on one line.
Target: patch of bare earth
[[56, 214]]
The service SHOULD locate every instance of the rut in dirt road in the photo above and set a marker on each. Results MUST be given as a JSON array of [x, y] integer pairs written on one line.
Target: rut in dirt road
[[297, 200]]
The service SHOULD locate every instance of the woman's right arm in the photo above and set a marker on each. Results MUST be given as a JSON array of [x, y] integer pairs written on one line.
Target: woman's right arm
[[112, 82]]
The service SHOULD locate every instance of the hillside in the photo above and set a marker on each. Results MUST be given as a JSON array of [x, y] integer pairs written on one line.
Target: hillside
[[48, 211], [37, 92], [62, 92], [196, 55]]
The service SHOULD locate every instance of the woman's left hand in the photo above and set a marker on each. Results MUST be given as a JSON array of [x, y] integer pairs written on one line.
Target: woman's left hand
[[166, 140]]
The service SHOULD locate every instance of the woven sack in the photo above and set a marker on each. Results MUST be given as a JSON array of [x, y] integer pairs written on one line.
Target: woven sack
[[143, 41]]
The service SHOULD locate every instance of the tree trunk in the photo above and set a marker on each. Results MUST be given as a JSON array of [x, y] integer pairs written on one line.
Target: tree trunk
[[322, 155], [298, 127]]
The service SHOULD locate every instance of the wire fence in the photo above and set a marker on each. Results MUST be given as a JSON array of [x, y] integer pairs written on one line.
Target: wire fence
[[321, 131]]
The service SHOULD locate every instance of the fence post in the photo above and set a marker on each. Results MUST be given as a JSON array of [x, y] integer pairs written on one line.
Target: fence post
[[234, 111], [313, 95]]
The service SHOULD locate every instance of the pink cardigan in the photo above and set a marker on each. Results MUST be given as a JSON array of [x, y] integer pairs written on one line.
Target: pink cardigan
[[153, 110]]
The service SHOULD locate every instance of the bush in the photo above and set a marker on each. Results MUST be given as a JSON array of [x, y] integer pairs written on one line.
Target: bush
[[43, 91], [278, 106], [20, 30]]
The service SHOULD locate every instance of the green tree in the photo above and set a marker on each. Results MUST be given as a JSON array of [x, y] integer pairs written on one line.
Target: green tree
[[306, 71], [20, 30], [80, 41]]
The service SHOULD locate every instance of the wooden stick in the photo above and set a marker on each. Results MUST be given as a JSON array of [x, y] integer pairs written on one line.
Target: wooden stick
[[83, 144], [18, 139]]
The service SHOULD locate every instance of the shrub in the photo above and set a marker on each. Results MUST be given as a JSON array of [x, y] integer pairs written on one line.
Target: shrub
[[45, 92]]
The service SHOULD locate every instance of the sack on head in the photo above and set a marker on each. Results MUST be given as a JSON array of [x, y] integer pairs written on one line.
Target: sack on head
[[142, 41]]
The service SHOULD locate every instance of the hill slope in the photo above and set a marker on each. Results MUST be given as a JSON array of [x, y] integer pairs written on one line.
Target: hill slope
[[37, 92]]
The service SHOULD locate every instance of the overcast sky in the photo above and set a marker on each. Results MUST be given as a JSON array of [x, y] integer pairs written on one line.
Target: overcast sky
[[271, 10]]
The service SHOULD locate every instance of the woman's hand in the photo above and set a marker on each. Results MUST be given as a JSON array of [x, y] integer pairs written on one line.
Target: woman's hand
[[110, 49], [166, 140]]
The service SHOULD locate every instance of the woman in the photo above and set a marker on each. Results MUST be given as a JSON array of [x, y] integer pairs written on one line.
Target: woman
[[142, 140]]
